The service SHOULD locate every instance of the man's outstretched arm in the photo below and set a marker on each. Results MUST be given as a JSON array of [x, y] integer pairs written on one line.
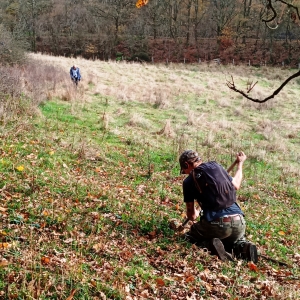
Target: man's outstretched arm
[[237, 179]]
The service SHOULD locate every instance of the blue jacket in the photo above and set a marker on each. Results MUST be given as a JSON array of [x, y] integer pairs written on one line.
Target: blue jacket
[[74, 73]]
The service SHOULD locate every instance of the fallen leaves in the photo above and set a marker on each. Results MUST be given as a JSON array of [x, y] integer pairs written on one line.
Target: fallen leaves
[[152, 235], [45, 260], [2, 209], [141, 189], [126, 255], [174, 224], [256, 197], [160, 282], [252, 266], [5, 245], [190, 279], [69, 240], [98, 247], [266, 288], [73, 292], [45, 213], [3, 233], [297, 258], [93, 283], [100, 239], [3, 263]]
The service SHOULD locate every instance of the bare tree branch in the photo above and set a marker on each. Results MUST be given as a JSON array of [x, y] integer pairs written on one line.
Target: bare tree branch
[[270, 6], [292, 6], [250, 86], [232, 86]]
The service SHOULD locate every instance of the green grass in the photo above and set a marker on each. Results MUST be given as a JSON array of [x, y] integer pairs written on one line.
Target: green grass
[[97, 201]]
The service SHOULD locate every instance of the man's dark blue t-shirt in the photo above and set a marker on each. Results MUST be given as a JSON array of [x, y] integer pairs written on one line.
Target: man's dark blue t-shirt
[[191, 193]]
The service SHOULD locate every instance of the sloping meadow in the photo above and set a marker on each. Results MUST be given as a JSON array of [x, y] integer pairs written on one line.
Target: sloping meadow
[[90, 181]]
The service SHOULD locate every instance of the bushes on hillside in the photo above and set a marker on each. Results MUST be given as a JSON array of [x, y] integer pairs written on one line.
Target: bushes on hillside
[[12, 50], [141, 57], [23, 88], [10, 92]]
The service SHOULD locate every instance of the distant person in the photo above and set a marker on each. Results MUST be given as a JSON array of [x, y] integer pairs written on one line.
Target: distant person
[[75, 74], [222, 224]]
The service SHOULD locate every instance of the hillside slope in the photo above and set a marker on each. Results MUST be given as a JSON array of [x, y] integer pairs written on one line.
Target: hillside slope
[[89, 184]]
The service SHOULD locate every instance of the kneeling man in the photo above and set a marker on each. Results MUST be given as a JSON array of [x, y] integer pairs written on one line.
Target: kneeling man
[[221, 227]]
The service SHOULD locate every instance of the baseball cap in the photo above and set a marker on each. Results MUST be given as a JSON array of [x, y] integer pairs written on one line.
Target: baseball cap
[[187, 156]]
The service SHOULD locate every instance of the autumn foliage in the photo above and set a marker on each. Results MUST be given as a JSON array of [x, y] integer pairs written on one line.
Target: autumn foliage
[[141, 3]]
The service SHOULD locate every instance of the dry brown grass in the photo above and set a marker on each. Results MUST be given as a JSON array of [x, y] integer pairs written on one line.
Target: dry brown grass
[[10, 92], [141, 80], [167, 130], [138, 120], [196, 94]]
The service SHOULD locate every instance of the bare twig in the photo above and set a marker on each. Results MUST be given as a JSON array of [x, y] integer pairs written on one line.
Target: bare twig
[[281, 263], [232, 86], [250, 86], [291, 6]]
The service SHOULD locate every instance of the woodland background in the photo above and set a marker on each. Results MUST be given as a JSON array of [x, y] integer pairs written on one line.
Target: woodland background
[[165, 30]]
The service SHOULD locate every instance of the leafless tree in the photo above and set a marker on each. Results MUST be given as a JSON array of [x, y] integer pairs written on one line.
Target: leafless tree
[[12, 50], [29, 13], [223, 12], [118, 12]]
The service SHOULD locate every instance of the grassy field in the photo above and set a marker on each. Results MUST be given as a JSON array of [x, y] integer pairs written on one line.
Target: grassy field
[[89, 181]]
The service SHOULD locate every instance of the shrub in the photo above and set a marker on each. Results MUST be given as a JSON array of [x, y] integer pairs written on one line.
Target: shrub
[[119, 56], [12, 50], [23, 88], [10, 92], [142, 56]]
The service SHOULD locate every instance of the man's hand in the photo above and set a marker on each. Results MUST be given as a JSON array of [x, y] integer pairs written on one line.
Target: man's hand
[[191, 211], [240, 157], [176, 226]]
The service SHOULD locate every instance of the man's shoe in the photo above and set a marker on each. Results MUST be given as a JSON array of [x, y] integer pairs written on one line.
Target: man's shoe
[[251, 252], [217, 248], [246, 250]]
